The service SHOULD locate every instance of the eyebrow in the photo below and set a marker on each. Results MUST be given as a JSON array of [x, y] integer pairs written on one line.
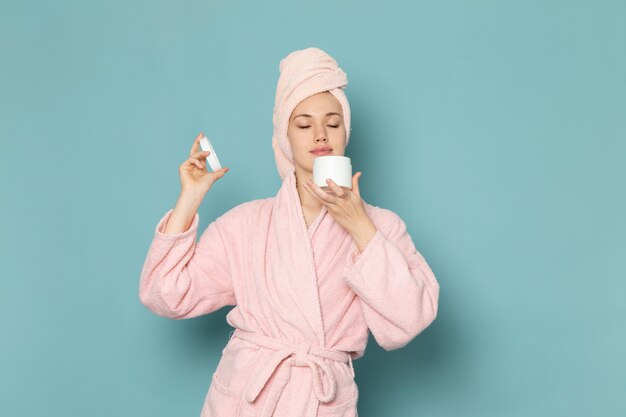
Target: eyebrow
[[308, 115]]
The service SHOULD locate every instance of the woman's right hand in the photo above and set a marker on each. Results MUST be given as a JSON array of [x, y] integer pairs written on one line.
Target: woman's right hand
[[194, 177]]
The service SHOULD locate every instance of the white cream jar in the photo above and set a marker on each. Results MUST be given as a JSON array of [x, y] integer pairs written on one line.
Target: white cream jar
[[337, 168]]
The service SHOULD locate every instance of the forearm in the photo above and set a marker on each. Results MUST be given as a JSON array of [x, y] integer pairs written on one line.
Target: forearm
[[363, 232], [398, 291], [184, 211]]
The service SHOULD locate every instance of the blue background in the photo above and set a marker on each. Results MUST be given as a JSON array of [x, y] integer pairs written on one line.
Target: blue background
[[495, 129]]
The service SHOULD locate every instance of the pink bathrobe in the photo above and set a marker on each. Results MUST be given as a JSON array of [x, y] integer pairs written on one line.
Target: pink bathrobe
[[304, 301]]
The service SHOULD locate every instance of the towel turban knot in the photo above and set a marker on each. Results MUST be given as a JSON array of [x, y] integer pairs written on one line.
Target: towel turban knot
[[304, 73]]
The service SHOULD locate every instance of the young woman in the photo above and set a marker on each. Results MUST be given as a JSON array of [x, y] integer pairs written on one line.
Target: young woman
[[310, 271]]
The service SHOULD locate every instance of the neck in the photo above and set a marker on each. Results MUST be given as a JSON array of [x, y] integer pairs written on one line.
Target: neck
[[307, 200]]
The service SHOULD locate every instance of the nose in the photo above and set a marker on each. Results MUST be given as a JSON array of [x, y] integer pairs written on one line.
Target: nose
[[321, 137]]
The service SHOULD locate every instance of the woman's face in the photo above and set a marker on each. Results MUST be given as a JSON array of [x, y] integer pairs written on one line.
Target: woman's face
[[316, 122]]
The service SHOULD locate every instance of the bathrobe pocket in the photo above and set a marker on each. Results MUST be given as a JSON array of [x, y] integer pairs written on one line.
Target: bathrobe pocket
[[344, 404], [220, 401], [234, 368]]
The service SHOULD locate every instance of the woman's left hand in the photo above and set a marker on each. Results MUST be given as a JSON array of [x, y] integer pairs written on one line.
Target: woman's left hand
[[346, 207]]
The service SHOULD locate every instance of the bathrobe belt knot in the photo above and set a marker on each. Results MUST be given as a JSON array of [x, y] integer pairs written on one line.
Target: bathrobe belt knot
[[282, 359], [301, 354]]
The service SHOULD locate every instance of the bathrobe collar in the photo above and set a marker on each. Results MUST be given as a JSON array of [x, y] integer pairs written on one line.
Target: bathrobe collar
[[290, 254]]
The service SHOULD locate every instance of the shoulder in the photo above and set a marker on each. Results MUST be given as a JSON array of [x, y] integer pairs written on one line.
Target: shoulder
[[248, 207], [386, 220], [381, 214], [244, 211]]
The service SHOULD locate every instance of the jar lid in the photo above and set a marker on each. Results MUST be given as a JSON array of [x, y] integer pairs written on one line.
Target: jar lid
[[212, 157], [332, 159]]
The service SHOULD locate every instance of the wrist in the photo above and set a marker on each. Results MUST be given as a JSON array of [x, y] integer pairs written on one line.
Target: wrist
[[189, 200], [363, 233]]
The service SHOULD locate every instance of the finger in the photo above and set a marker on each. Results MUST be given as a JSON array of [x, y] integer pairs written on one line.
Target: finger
[[196, 143], [339, 191], [323, 195], [220, 173], [193, 161], [308, 188], [355, 183], [189, 163], [201, 155]]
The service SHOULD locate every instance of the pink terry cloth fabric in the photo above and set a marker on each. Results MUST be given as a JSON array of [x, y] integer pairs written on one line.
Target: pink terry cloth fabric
[[304, 73], [304, 301]]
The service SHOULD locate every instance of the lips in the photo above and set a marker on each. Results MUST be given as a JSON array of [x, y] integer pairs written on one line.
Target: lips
[[323, 150]]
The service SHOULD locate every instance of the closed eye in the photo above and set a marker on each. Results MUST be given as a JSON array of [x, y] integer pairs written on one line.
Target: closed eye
[[306, 127]]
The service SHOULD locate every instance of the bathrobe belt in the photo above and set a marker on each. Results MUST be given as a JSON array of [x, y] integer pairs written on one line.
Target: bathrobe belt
[[285, 356]]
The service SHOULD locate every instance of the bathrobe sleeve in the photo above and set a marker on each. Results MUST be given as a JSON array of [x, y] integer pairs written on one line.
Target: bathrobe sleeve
[[182, 279], [396, 288]]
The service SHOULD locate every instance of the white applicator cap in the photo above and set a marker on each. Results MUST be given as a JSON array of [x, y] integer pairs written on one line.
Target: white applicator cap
[[212, 158]]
